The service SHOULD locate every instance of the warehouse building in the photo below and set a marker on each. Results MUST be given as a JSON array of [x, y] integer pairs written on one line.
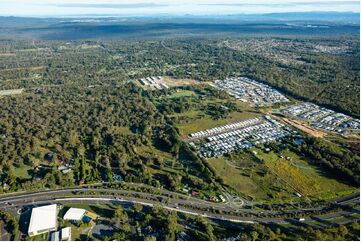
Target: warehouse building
[[62, 235], [43, 219], [74, 214]]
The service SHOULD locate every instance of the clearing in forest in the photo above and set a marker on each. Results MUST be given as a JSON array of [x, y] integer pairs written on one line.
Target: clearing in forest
[[11, 92]]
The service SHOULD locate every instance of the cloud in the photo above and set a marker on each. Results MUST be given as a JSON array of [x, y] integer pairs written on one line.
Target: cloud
[[330, 2], [62, 8], [286, 4], [110, 5]]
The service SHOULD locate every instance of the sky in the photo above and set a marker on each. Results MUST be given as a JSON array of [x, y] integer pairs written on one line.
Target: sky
[[64, 8]]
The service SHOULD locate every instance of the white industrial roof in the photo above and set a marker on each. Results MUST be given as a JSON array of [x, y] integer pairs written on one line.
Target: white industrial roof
[[74, 214], [65, 233], [43, 218]]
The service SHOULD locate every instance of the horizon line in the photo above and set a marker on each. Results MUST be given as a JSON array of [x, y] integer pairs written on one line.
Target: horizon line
[[169, 15]]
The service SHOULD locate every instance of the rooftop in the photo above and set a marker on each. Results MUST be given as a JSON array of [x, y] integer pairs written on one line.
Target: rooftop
[[43, 219], [65, 233], [74, 214]]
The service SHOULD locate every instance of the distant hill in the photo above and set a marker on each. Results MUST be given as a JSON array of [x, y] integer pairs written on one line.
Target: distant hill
[[308, 23], [317, 16]]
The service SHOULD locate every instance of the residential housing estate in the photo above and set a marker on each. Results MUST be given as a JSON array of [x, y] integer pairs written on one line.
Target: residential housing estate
[[248, 90], [245, 134]]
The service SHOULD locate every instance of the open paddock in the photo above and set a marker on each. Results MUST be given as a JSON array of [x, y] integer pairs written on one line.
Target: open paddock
[[7, 54], [11, 92], [172, 82]]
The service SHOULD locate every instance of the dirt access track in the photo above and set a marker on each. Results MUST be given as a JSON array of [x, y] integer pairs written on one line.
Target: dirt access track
[[305, 128]]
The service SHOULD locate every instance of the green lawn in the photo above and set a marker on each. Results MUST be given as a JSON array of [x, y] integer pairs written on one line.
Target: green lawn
[[277, 179], [197, 119], [190, 114], [343, 218], [325, 187], [304, 177], [257, 184], [23, 172], [151, 151], [183, 93], [207, 122], [41, 237], [234, 177], [101, 210], [244, 160], [121, 130]]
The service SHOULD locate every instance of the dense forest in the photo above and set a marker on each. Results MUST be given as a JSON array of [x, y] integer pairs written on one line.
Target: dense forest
[[340, 162], [81, 108], [315, 69], [74, 113], [99, 132]]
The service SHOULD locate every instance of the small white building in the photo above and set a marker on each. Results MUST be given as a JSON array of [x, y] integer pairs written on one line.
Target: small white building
[[54, 236], [74, 214], [43, 219], [66, 234]]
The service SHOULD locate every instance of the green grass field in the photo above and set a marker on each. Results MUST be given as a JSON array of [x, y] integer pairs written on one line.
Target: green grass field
[[243, 160], [233, 177], [278, 179], [275, 179], [200, 122], [207, 122], [101, 210], [197, 118], [257, 184], [23, 172], [151, 151], [183, 93], [121, 130], [320, 185]]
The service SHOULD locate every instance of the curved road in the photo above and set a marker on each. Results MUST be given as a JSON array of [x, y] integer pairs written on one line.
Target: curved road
[[182, 204]]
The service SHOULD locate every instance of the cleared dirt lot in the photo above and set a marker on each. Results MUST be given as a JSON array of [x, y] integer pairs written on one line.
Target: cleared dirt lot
[[179, 82], [11, 92], [305, 128]]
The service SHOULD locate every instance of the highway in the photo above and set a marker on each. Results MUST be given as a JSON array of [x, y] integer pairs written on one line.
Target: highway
[[182, 203]]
